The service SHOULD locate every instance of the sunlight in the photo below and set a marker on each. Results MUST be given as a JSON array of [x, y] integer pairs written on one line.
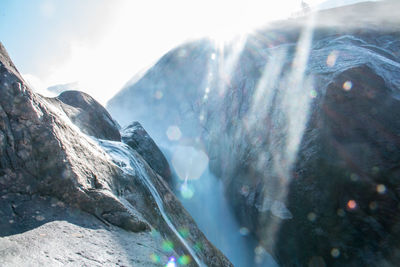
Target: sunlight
[[228, 20], [294, 102], [266, 86], [189, 163], [269, 138], [130, 41], [228, 56]]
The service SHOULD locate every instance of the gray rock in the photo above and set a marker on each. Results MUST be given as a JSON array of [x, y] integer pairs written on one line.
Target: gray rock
[[182, 69], [137, 138], [290, 185], [90, 117], [45, 231], [46, 160]]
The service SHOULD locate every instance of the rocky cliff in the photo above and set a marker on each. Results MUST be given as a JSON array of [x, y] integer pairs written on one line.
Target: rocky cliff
[[300, 121], [71, 193]]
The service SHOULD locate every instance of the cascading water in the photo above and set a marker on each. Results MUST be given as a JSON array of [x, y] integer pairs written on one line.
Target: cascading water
[[123, 155]]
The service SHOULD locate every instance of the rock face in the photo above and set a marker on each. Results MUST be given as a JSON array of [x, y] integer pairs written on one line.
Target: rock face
[[303, 130], [50, 171], [137, 138], [345, 197], [182, 69], [45, 231], [85, 112]]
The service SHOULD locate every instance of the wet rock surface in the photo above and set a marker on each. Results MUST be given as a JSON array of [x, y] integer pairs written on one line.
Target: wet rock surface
[[303, 131], [137, 138], [49, 168]]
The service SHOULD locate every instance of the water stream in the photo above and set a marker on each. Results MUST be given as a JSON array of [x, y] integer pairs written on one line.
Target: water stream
[[122, 153]]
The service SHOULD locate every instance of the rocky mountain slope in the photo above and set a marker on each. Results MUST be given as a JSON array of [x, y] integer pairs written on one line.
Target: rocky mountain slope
[[72, 194], [300, 121]]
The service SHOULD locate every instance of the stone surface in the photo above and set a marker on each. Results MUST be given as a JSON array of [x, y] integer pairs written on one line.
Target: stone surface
[[137, 138], [182, 69], [46, 160], [90, 117], [303, 130], [45, 231]]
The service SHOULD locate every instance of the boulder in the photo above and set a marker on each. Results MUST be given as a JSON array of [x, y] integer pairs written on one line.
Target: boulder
[[91, 117], [137, 138]]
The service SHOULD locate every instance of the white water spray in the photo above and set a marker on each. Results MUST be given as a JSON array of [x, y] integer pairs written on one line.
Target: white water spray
[[121, 152]]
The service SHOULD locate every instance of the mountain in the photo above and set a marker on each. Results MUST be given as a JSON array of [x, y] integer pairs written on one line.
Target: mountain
[[300, 123], [336, 3], [182, 69], [72, 194]]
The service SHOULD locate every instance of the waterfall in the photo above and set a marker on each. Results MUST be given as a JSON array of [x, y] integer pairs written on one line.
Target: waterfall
[[122, 153]]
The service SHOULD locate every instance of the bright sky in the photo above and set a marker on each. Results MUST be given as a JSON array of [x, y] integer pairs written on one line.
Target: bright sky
[[102, 44]]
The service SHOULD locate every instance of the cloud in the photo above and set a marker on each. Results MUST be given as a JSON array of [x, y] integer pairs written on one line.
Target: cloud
[[37, 85], [135, 34]]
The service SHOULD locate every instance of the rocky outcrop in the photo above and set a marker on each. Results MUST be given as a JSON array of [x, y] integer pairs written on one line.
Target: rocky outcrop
[[182, 69], [42, 154], [48, 163], [90, 117], [39, 230], [303, 132], [137, 138], [345, 195]]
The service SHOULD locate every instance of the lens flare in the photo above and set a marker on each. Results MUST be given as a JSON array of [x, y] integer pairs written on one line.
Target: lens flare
[[381, 189], [351, 204], [184, 260], [313, 94], [189, 163], [167, 246], [244, 231], [171, 262], [174, 133], [198, 247], [312, 217], [331, 59], [347, 85], [158, 95], [155, 258], [335, 253], [184, 232], [187, 191]]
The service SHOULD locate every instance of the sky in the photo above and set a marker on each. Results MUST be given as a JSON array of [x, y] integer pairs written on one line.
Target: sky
[[102, 44]]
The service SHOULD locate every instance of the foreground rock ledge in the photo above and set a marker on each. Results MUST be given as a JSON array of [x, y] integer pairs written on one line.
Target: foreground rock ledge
[[54, 176]]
